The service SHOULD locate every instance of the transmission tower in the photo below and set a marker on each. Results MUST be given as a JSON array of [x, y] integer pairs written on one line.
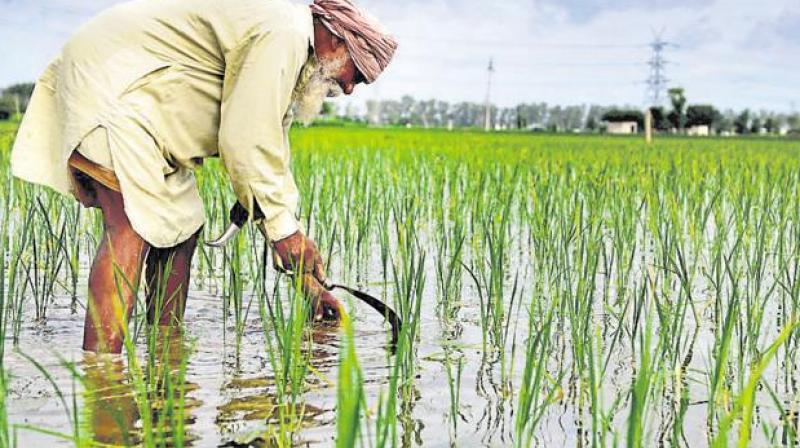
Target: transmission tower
[[657, 80], [488, 112]]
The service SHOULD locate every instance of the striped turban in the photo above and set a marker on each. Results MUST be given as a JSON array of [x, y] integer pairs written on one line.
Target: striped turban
[[368, 43]]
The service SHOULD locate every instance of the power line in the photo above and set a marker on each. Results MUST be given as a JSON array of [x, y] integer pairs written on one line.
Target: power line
[[517, 43]]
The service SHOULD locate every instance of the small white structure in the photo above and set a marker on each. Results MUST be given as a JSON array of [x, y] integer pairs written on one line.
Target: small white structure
[[622, 127], [699, 130]]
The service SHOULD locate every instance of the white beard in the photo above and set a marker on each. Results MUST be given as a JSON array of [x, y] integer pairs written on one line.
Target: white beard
[[316, 84]]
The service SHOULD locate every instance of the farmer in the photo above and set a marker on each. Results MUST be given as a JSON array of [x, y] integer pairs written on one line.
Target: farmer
[[145, 91]]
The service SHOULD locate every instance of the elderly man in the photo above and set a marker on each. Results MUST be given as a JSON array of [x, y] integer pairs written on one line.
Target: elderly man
[[148, 89]]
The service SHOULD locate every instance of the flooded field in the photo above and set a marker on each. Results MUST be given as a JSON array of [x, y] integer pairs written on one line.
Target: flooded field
[[556, 290]]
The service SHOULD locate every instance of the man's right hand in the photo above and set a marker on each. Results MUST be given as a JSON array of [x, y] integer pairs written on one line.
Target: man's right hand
[[324, 306], [298, 250]]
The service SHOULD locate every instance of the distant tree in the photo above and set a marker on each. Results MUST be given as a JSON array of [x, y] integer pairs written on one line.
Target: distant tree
[[591, 123], [725, 123], [573, 117], [742, 122], [660, 120], [620, 115], [522, 121], [328, 109], [794, 122], [702, 114], [594, 115], [436, 113], [18, 94], [7, 107], [678, 115], [771, 125], [755, 126]]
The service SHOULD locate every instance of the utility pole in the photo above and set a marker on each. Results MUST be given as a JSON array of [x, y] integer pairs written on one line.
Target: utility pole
[[656, 79], [488, 112]]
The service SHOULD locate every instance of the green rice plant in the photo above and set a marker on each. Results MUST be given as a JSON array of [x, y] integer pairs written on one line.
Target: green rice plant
[[454, 374], [449, 256], [535, 394], [286, 340], [744, 403], [6, 436], [17, 254], [234, 289], [656, 276], [386, 421], [5, 309], [641, 392], [350, 390]]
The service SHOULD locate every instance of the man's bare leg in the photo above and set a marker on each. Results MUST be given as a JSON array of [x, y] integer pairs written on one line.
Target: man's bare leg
[[114, 276], [166, 294]]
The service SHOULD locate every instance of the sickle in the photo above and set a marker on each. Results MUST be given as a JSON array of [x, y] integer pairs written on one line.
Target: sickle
[[377, 305], [238, 217]]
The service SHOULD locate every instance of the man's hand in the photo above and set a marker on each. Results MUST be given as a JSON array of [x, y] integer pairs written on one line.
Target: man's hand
[[296, 250], [324, 306]]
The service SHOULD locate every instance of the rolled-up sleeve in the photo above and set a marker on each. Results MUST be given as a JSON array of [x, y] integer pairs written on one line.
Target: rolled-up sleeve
[[260, 76]]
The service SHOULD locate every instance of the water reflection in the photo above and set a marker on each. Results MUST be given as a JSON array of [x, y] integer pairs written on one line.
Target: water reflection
[[115, 397], [110, 407], [251, 409], [199, 390]]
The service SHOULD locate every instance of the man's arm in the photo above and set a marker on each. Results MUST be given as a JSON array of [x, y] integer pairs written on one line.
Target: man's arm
[[259, 80]]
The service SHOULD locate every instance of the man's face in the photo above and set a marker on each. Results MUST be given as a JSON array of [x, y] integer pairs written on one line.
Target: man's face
[[334, 73], [329, 78], [347, 75]]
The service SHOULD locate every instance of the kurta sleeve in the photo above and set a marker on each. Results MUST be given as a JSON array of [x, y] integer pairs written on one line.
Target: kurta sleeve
[[260, 76]]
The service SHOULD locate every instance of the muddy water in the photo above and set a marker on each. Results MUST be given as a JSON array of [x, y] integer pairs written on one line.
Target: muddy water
[[230, 392]]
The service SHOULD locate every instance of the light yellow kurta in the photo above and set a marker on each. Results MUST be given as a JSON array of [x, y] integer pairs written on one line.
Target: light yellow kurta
[[171, 83]]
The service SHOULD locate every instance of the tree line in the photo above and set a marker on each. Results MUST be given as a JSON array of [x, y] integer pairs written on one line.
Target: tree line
[[14, 100], [676, 117], [540, 116], [681, 116]]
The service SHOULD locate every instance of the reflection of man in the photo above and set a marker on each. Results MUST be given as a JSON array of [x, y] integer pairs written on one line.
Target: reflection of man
[[111, 411], [147, 90], [109, 403]]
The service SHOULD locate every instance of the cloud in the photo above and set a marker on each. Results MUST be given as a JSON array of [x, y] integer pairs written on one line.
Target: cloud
[[582, 11]]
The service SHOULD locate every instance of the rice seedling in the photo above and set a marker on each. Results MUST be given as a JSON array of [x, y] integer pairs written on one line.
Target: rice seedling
[[350, 390], [645, 295]]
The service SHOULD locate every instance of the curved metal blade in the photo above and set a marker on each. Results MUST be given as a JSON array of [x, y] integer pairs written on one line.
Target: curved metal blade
[[384, 310], [226, 236]]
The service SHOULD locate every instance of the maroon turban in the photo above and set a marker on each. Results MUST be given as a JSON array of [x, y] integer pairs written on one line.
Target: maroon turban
[[370, 46]]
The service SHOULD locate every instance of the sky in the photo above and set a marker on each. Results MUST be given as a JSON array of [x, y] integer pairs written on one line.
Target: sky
[[731, 53]]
